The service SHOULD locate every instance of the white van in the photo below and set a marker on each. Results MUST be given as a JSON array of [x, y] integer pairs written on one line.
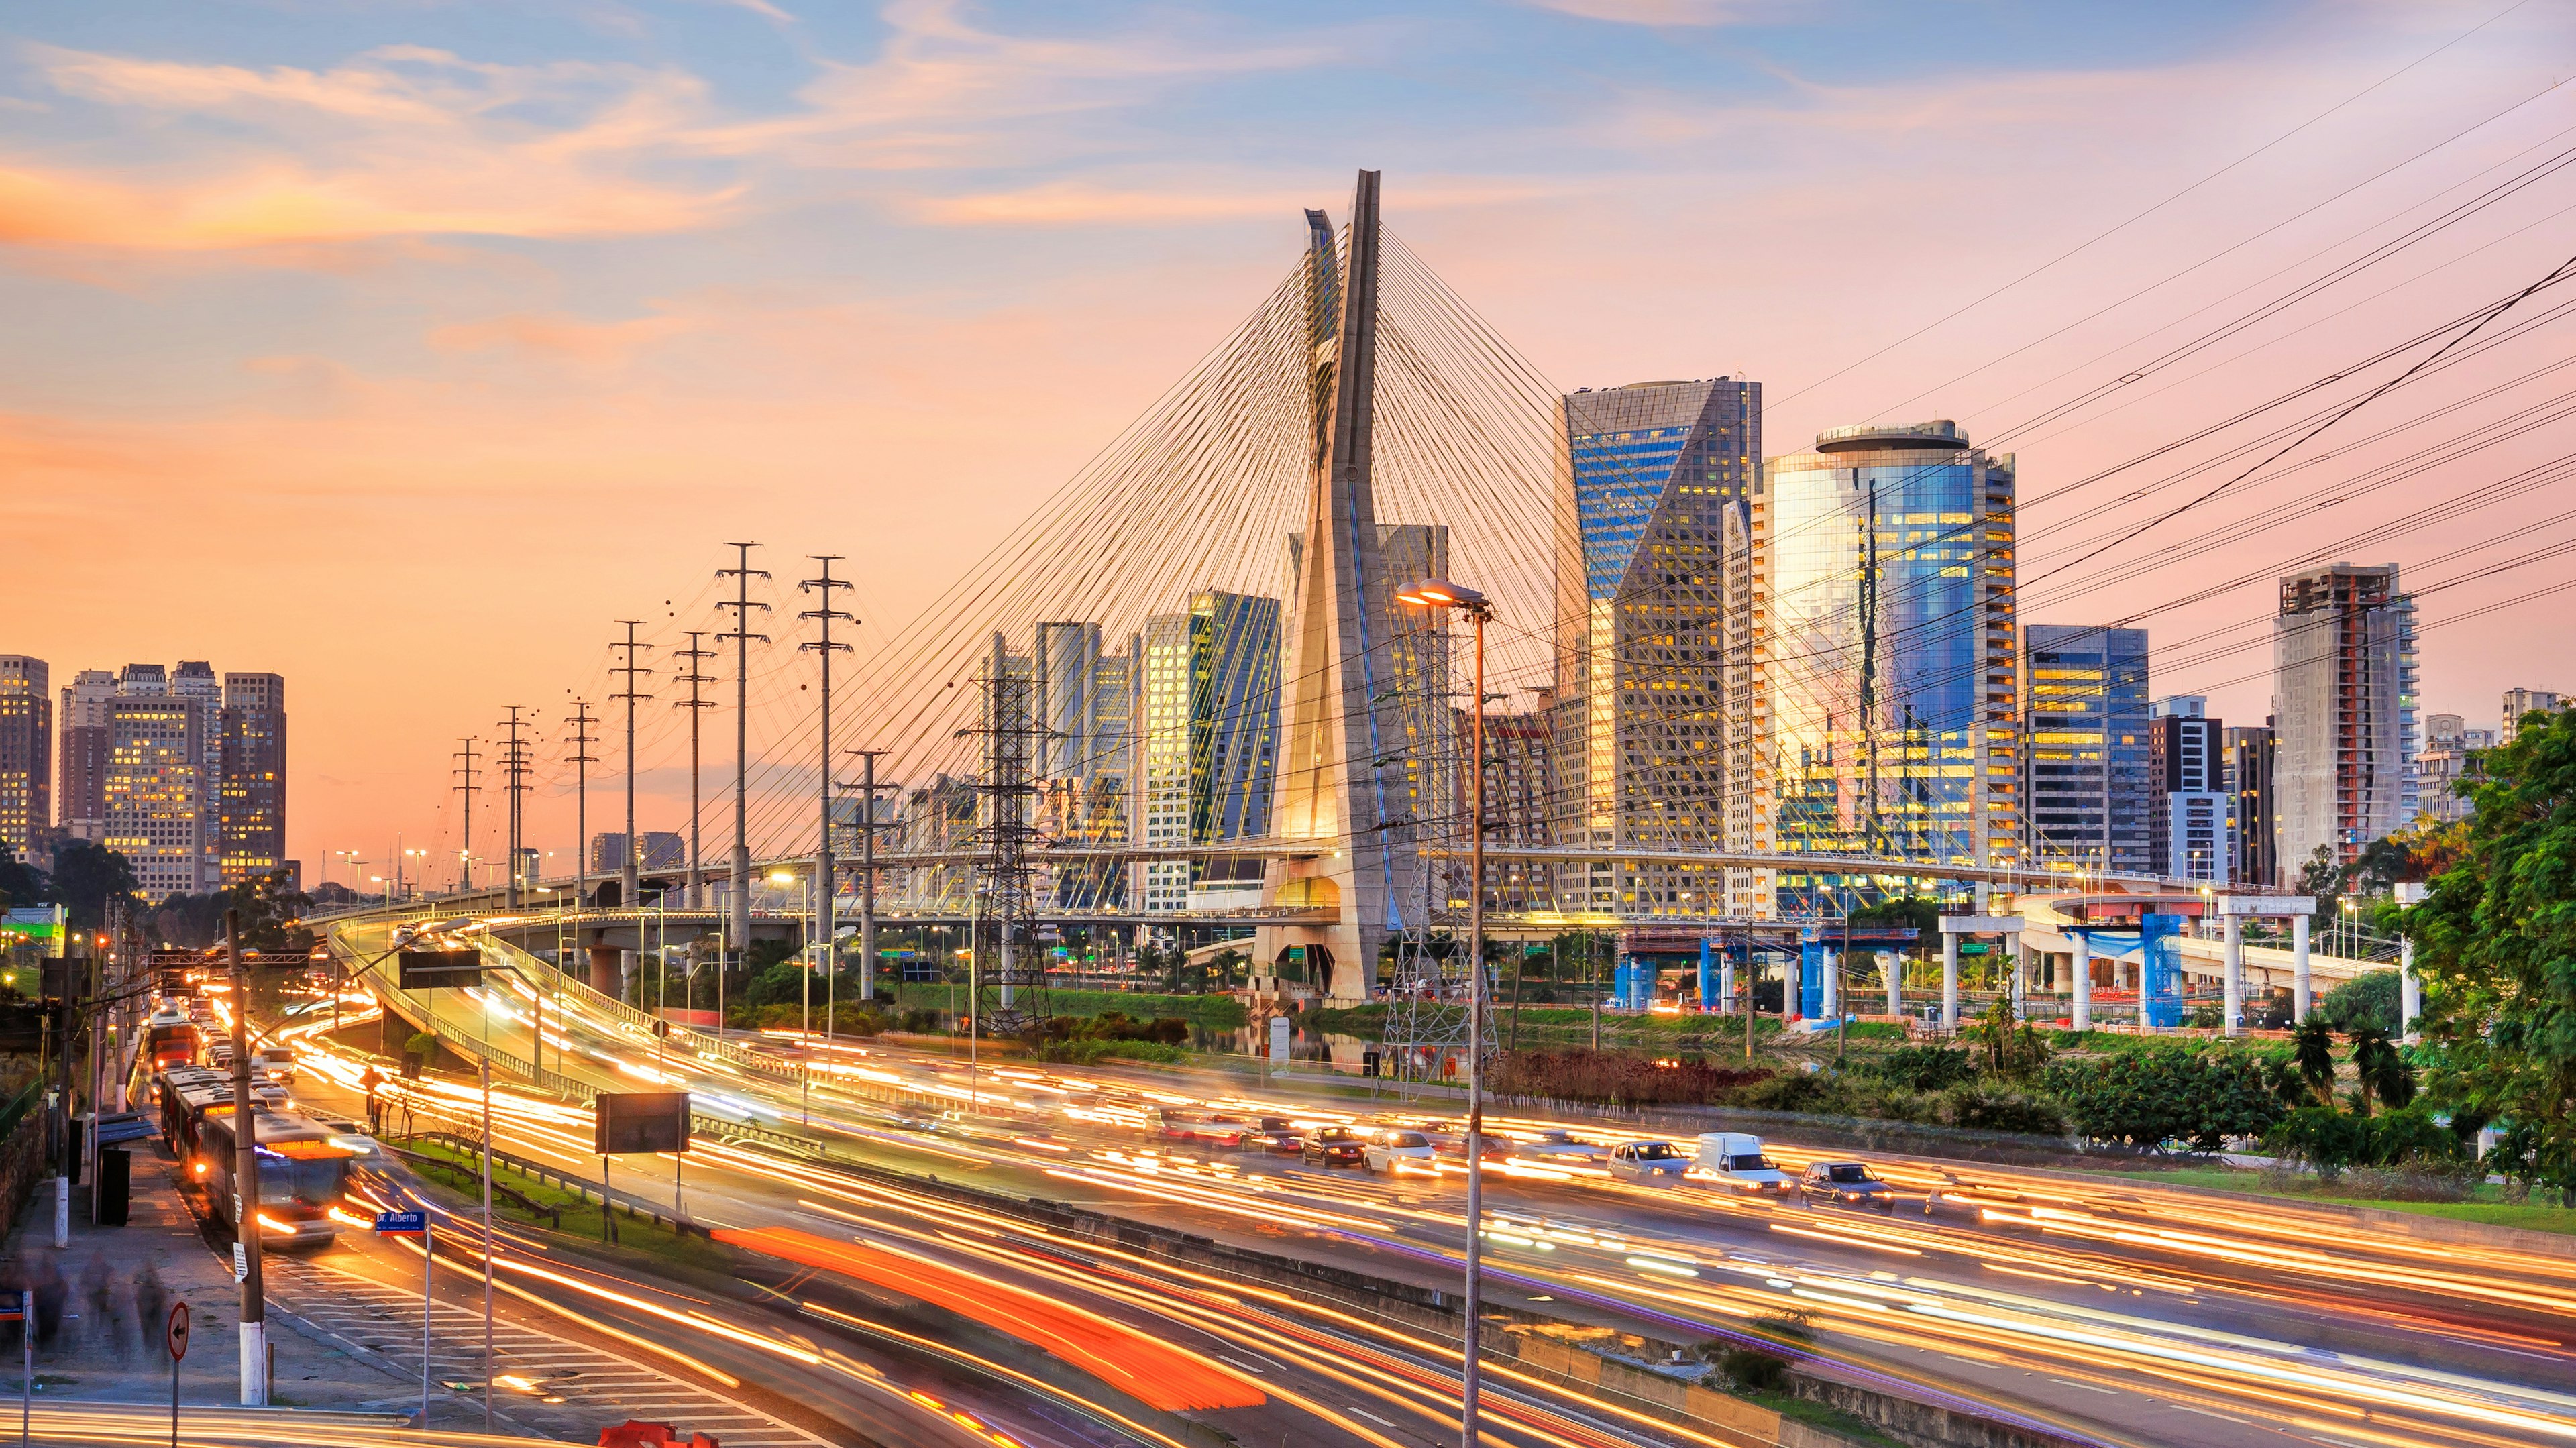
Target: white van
[[1735, 1158]]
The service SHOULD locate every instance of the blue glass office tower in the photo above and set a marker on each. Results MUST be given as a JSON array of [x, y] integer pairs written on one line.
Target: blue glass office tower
[[2086, 726], [1885, 654], [1639, 714]]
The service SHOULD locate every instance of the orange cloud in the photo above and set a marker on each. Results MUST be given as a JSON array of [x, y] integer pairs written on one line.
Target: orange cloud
[[401, 142]]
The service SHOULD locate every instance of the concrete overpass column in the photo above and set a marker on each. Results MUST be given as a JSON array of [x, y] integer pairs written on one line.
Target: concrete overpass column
[[1726, 982], [2299, 984], [1833, 985], [2410, 990], [1949, 979], [2020, 972], [603, 967], [2233, 1018], [1891, 964], [2082, 969]]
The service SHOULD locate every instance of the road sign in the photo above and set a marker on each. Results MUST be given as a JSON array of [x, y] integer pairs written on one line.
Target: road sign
[[178, 1334], [634, 1121], [402, 1224], [429, 969]]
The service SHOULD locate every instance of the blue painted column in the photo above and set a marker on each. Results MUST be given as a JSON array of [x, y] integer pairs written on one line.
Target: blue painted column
[[1707, 977]]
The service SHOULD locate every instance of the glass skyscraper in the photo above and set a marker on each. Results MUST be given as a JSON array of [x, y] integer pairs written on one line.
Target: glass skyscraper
[[1640, 714], [1887, 657], [2090, 797]]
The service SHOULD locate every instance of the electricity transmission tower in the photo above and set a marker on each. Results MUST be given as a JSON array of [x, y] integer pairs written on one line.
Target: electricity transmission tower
[[514, 764], [1010, 991], [694, 703], [469, 789]]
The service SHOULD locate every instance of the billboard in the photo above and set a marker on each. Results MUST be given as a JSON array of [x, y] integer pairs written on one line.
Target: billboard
[[639, 1121], [427, 969]]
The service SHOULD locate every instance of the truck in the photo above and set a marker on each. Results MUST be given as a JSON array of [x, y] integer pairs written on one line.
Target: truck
[[1734, 1160]]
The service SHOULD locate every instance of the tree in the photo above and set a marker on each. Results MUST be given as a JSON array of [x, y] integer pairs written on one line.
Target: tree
[[2368, 999], [2012, 1047], [2496, 946], [88, 878], [2312, 1051], [20, 882], [2385, 1076]]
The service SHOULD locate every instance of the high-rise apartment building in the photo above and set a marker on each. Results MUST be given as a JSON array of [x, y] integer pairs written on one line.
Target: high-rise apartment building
[[26, 755], [1892, 662], [2088, 797], [2518, 702], [160, 786], [251, 758], [1640, 714], [80, 780], [2343, 705], [2188, 801], [2248, 783]]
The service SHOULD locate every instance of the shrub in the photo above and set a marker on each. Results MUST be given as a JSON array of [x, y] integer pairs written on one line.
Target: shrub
[[1923, 1068], [2150, 1098], [1755, 1370], [1986, 1106], [422, 1044], [2320, 1137]]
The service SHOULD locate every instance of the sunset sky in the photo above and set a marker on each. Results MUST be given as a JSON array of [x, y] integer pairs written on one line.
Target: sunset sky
[[400, 347]]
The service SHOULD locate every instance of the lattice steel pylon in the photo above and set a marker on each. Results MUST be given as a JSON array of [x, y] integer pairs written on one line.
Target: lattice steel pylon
[[1010, 984]]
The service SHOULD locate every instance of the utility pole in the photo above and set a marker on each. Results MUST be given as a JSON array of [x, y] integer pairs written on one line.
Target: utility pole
[[694, 653], [868, 788], [825, 886], [628, 896], [254, 1299], [738, 912], [582, 759], [514, 763], [469, 789]]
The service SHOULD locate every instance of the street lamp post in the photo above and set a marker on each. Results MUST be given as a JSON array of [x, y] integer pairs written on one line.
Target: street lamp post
[[1440, 593]]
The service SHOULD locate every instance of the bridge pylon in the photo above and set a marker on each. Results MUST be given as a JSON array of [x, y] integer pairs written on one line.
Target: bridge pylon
[[1340, 717]]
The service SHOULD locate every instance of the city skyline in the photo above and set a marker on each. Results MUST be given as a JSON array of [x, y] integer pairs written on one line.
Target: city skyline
[[599, 303]]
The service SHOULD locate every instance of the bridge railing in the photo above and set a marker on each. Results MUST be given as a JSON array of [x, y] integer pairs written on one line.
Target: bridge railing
[[539, 970]]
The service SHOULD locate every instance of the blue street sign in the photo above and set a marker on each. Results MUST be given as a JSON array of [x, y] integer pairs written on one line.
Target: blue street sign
[[402, 1224]]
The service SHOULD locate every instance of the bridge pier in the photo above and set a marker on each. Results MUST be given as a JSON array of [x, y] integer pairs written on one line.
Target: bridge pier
[[1949, 977], [2300, 989], [2410, 990], [2233, 1021], [604, 962], [2081, 967]]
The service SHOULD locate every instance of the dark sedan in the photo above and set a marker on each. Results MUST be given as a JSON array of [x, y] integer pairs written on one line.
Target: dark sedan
[[1333, 1146], [1274, 1134], [1846, 1183]]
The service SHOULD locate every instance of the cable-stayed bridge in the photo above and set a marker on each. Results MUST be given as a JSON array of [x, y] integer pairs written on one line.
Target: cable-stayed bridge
[[1221, 698]]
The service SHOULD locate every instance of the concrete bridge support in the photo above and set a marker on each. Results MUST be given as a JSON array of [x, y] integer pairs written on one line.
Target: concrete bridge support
[[2082, 969]]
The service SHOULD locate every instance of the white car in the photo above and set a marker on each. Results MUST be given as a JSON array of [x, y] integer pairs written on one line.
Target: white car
[[1400, 1151], [1651, 1162]]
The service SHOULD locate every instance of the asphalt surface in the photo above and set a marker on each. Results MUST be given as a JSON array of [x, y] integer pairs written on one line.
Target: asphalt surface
[[2125, 1313]]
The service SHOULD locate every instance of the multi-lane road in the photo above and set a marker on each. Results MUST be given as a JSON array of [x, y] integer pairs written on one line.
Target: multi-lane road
[[2121, 1313]]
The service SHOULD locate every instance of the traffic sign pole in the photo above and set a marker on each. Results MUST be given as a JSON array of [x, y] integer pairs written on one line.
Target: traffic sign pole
[[176, 1338], [416, 1224]]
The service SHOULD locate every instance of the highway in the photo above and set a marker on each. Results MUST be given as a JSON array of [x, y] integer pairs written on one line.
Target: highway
[[2120, 1313]]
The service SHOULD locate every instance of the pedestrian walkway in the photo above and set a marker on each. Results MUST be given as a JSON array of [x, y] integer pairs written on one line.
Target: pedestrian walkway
[[556, 1386]]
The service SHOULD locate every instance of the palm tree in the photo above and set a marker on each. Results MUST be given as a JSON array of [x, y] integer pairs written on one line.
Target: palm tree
[[2312, 1050], [2382, 1068]]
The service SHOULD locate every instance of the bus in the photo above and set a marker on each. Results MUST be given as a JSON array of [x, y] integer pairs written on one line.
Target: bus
[[303, 1174], [171, 1040]]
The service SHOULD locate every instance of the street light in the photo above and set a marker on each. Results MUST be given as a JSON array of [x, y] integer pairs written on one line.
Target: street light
[[1441, 593]]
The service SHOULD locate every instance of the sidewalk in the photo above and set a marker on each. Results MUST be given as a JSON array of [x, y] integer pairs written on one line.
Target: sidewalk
[[103, 1301]]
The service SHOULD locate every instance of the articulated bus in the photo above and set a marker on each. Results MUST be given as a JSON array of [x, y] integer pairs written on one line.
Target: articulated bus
[[303, 1163]]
